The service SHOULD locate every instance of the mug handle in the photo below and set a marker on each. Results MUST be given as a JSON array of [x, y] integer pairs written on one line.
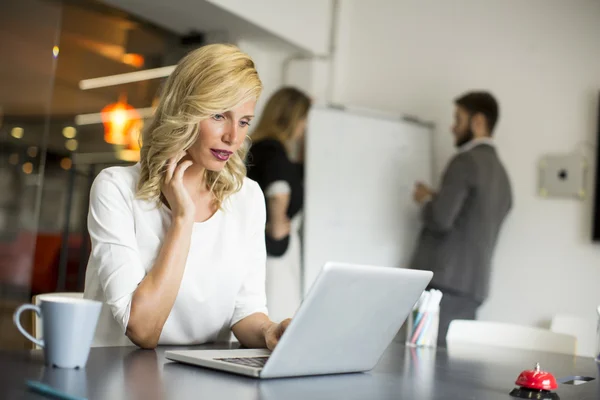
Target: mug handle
[[17, 321]]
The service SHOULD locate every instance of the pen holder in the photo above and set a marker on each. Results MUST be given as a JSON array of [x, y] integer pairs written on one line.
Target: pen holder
[[422, 329]]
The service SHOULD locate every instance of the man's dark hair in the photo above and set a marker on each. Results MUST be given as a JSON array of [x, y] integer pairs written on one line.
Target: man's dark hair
[[480, 102]]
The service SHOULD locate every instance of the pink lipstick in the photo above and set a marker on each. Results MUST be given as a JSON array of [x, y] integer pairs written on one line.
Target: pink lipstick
[[221, 155]]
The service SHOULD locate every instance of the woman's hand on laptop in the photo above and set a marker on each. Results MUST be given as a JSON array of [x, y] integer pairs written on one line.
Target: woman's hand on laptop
[[274, 332]]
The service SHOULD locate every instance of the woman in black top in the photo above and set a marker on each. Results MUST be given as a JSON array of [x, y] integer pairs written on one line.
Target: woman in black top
[[275, 162]]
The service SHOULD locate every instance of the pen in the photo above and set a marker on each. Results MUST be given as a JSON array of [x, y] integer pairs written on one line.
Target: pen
[[46, 390]]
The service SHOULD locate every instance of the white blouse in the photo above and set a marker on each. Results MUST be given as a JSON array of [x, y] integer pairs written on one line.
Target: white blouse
[[224, 277]]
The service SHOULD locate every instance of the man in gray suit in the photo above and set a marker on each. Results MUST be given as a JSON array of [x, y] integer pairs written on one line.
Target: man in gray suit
[[462, 220]]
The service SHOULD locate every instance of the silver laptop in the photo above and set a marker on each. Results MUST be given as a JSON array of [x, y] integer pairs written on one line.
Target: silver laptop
[[347, 320]]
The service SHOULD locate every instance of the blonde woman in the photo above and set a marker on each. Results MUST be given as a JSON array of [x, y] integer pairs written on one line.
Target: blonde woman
[[277, 137], [178, 250]]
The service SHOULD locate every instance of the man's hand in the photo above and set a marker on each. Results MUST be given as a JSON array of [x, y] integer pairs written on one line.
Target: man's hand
[[273, 333], [422, 193]]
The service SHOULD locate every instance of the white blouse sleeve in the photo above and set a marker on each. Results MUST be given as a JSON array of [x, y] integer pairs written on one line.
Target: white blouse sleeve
[[114, 257], [252, 296], [278, 187]]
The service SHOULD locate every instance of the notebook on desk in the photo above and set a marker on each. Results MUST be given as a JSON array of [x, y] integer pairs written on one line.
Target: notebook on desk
[[348, 319]]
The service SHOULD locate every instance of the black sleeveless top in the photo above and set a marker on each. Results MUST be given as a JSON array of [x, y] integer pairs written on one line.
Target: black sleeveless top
[[268, 163]]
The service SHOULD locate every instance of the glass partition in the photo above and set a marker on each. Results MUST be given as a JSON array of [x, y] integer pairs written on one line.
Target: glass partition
[[53, 142], [30, 48]]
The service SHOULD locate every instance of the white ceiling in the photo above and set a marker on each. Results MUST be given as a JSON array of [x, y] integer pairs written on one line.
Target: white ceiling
[[184, 16]]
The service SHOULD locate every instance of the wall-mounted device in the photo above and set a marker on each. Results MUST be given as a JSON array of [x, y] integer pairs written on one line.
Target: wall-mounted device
[[563, 175]]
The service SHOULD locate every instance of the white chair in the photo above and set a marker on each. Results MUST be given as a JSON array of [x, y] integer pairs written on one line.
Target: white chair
[[37, 323], [509, 335], [584, 329]]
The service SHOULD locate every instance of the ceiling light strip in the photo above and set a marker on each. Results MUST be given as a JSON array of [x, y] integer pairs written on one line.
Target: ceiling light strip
[[96, 118], [129, 77]]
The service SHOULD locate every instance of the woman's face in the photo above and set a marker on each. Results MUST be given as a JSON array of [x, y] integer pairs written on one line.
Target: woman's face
[[299, 130], [220, 136]]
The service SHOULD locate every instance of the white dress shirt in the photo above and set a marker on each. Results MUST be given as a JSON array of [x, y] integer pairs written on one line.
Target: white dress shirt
[[224, 277], [476, 142]]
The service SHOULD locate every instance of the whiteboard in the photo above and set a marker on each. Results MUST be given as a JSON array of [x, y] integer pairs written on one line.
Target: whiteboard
[[359, 179]]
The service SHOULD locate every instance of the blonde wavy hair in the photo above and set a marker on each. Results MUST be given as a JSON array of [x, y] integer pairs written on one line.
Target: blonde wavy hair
[[282, 113], [210, 80]]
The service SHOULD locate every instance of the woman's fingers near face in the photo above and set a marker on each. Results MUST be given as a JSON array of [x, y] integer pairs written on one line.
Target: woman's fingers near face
[[179, 156], [171, 165], [181, 169]]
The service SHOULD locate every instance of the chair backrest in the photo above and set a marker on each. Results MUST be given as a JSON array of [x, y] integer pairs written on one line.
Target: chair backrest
[[37, 322], [509, 335], [584, 329]]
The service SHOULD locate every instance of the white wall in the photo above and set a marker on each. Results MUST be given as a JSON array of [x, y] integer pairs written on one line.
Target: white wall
[[268, 61], [277, 66], [304, 23], [541, 58]]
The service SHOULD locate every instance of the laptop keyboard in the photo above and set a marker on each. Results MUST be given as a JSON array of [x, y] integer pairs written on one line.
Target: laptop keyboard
[[256, 362]]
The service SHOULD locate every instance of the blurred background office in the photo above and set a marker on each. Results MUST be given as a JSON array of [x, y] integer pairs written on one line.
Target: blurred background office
[[62, 71]]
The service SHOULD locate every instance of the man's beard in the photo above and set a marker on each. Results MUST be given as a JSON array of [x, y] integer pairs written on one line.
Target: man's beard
[[465, 138]]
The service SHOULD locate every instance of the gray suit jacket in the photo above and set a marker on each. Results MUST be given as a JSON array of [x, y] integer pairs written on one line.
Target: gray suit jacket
[[462, 221]]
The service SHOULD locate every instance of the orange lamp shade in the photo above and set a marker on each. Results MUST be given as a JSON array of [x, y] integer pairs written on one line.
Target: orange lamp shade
[[119, 119]]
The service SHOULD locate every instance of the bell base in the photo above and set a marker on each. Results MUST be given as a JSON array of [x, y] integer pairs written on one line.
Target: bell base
[[525, 393]]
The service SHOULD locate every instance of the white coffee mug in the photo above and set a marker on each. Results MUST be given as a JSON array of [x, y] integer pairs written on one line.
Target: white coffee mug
[[67, 380], [68, 328]]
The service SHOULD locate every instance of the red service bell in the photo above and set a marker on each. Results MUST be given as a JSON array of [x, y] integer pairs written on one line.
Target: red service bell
[[535, 384]]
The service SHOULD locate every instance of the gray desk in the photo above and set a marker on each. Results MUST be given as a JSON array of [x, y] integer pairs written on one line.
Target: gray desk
[[403, 373]]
